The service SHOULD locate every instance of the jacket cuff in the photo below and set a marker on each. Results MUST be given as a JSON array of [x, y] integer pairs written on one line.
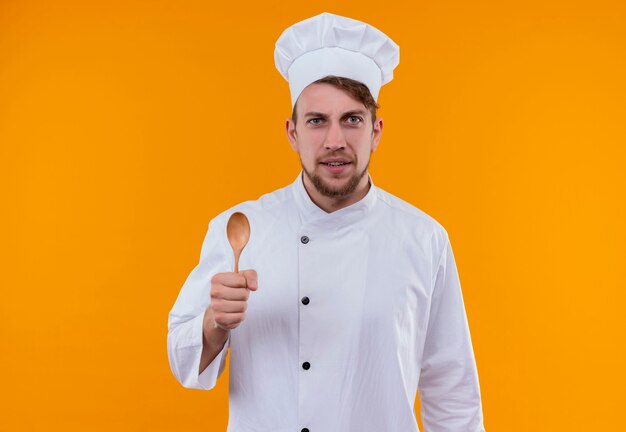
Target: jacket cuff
[[208, 378]]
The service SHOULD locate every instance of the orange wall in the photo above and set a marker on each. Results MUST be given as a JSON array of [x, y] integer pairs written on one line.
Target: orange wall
[[125, 126]]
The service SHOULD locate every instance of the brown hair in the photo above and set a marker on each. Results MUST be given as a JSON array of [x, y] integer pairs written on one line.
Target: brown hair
[[356, 89]]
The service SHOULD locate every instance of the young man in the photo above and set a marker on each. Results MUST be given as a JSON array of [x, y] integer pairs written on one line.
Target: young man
[[351, 301]]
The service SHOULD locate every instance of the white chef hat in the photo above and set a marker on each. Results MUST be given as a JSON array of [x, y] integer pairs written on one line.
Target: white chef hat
[[329, 44]]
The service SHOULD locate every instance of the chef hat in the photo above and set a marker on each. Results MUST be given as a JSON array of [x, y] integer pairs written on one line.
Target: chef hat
[[329, 44]]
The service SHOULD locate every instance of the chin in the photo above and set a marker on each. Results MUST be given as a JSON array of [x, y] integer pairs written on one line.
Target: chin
[[341, 188]]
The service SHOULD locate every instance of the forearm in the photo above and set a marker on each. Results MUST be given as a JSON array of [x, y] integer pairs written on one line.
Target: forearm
[[213, 340]]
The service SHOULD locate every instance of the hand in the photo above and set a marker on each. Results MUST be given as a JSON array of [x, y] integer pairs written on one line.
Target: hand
[[229, 297]]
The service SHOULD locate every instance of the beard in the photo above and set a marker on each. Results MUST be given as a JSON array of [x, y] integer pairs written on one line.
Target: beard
[[336, 192]]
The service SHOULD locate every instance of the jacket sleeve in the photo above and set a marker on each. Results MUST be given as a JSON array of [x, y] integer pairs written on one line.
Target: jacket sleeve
[[448, 387], [184, 337]]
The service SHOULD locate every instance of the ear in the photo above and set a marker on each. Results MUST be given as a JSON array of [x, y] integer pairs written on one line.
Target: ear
[[290, 129], [377, 131]]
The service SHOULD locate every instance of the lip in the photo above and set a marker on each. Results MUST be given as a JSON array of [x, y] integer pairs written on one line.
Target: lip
[[336, 169], [344, 160]]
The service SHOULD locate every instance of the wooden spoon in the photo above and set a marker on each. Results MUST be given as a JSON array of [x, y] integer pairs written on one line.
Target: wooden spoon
[[238, 233]]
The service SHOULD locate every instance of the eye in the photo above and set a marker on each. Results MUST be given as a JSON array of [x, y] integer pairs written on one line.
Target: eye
[[353, 120], [315, 121]]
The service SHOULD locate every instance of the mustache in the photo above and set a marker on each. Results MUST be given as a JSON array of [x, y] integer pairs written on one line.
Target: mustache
[[337, 155]]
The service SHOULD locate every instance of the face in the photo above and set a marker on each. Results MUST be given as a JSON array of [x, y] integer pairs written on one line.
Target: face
[[335, 138]]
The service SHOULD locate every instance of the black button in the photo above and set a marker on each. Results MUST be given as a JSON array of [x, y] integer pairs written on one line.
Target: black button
[[305, 430], [304, 239], [305, 300], [306, 365]]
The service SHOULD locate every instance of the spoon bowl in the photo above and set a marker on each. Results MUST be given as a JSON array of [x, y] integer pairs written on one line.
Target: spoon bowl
[[238, 233]]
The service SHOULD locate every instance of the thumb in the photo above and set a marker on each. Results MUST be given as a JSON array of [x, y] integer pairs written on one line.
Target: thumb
[[251, 279]]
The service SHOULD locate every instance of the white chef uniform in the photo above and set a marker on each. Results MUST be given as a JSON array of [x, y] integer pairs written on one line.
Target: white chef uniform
[[355, 311]]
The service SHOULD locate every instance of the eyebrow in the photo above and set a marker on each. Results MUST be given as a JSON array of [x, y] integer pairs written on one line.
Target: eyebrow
[[315, 114], [344, 115], [353, 113]]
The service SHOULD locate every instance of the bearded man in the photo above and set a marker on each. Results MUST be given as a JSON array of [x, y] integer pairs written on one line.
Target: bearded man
[[350, 303]]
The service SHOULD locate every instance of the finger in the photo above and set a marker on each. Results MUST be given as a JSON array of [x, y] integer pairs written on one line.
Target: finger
[[229, 319], [229, 293], [228, 306], [251, 279], [229, 279]]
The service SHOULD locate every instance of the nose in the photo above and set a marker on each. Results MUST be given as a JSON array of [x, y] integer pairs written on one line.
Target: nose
[[335, 138]]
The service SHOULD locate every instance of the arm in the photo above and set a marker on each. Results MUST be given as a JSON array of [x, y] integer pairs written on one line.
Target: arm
[[192, 364], [448, 386]]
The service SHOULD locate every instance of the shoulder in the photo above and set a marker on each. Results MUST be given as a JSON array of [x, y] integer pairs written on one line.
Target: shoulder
[[413, 220], [267, 205]]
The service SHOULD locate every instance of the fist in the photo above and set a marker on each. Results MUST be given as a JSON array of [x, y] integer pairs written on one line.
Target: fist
[[229, 297]]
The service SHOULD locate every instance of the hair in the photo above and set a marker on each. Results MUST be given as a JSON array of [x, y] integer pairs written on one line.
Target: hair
[[356, 89]]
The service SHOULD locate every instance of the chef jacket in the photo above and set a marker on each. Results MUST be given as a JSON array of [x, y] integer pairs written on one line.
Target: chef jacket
[[355, 311]]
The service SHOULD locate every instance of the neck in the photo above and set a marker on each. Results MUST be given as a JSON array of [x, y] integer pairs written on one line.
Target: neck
[[331, 204]]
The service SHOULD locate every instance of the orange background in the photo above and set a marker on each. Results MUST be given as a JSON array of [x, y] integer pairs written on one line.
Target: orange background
[[125, 126]]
